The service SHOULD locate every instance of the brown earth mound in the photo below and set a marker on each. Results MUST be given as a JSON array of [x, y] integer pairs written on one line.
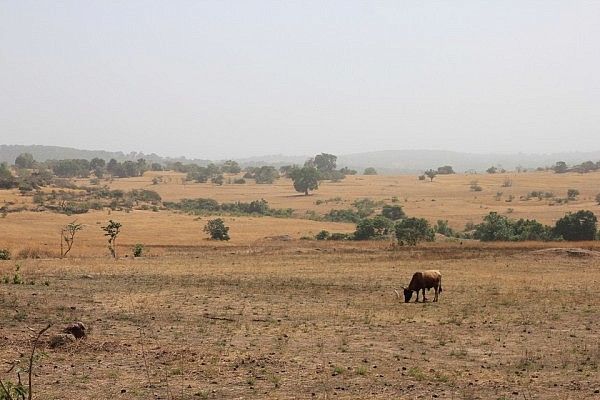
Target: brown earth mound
[[572, 252]]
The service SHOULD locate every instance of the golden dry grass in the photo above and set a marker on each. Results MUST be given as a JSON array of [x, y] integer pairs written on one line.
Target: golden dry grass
[[290, 321], [448, 197], [266, 318]]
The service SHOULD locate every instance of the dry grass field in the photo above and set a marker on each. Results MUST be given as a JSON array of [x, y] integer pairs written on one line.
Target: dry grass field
[[267, 315], [448, 197], [301, 321]]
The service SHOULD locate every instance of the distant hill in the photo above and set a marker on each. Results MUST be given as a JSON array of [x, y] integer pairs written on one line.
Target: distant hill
[[386, 161]]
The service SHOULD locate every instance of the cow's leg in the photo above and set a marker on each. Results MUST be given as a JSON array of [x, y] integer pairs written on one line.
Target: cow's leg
[[435, 298], [424, 298], [417, 300]]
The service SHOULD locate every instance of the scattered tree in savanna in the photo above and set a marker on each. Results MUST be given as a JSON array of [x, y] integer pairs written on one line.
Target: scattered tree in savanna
[[231, 167], [216, 229], [67, 237], [491, 170], [370, 171], [7, 180], [305, 179], [217, 179], [413, 230], [25, 160], [560, 167], [112, 230], [445, 170], [430, 173], [572, 194], [266, 174], [393, 213], [323, 162], [577, 226], [348, 171]]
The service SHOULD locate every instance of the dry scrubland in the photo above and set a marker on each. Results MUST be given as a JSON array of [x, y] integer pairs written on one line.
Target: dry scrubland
[[291, 321], [265, 318]]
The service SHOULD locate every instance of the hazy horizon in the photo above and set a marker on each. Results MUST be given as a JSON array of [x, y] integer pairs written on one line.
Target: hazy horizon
[[220, 80]]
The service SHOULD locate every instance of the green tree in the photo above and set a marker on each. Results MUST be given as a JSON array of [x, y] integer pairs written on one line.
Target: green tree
[[413, 230], [217, 230], [445, 170], [495, 227], [112, 230], [560, 167], [430, 173], [370, 171], [324, 162], [305, 179], [491, 170], [577, 226], [25, 160], [373, 228], [7, 180], [266, 174]]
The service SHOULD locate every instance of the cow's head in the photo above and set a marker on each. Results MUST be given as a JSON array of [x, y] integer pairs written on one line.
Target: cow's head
[[407, 294]]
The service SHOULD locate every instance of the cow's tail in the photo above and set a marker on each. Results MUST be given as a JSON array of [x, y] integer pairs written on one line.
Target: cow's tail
[[440, 286]]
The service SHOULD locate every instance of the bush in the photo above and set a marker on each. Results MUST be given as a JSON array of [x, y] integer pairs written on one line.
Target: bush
[[413, 230], [370, 171], [421, 177], [496, 227], [341, 236], [138, 249], [217, 230], [577, 226], [572, 194], [442, 228], [342, 216], [373, 228], [4, 254], [474, 186], [323, 235], [239, 181], [393, 212]]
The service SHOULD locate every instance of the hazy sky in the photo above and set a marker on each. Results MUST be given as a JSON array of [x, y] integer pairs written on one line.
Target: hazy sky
[[224, 78]]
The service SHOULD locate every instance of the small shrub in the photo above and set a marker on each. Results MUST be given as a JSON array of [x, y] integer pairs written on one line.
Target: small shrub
[[239, 181], [323, 235], [4, 254], [474, 186], [421, 177], [138, 249], [572, 194], [370, 171], [217, 230], [393, 212]]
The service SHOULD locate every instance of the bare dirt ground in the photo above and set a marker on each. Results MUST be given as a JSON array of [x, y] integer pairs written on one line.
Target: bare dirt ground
[[311, 320]]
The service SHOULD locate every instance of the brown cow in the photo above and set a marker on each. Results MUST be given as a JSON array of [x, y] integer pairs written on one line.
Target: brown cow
[[423, 280]]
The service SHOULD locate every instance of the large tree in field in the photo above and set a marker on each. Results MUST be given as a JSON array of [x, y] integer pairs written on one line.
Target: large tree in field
[[325, 162], [25, 160], [305, 179]]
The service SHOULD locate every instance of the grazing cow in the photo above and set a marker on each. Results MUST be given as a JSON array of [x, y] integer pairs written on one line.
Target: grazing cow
[[421, 281]]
